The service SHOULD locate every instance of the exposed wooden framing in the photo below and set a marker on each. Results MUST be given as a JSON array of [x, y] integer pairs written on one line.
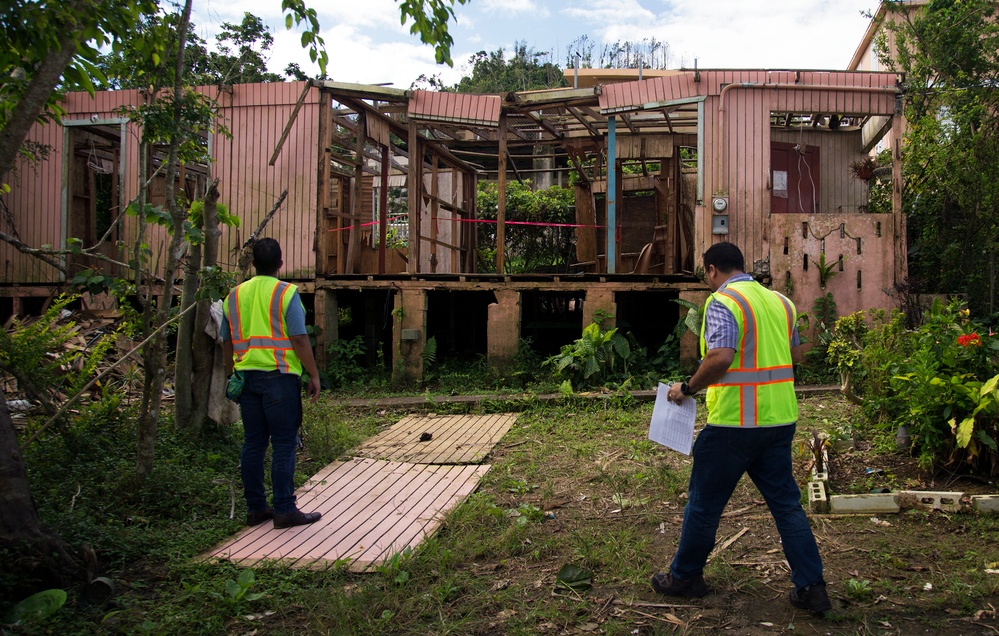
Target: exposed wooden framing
[[291, 122], [402, 129], [586, 123], [364, 91], [383, 209], [666, 118], [435, 209], [541, 122], [501, 197], [414, 184], [320, 241], [579, 167], [557, 95], [627, 122], [455, 226]]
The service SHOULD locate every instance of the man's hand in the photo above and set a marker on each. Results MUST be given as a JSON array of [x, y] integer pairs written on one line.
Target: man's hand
[[313, 389], [675, 394]]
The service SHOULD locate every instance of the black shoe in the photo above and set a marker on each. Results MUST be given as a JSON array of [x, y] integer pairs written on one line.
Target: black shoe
[[812, 598], [666, 583], [297, 518], [257, 517]]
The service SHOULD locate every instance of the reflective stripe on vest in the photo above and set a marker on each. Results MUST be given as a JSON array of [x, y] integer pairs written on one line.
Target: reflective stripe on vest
[[758, 388], [262, 346]]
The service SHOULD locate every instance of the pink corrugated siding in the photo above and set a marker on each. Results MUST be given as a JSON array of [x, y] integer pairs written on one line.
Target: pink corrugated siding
[[36, 209], [255, 114], [457, 107]]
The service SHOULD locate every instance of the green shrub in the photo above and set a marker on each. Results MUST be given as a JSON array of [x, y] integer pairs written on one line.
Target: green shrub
[[938, 379]]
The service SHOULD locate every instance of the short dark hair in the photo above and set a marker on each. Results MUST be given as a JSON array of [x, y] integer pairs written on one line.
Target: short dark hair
[[266, 256], [726, 257]]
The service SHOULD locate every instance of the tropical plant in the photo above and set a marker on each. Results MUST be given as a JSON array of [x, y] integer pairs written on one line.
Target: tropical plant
[[593, 358]]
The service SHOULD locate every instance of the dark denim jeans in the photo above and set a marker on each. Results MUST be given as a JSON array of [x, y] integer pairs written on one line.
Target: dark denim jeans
[[271, 406], [721, 456]]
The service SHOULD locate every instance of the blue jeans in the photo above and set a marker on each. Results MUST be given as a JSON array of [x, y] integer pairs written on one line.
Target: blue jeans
[[271, 407], [721, 456]]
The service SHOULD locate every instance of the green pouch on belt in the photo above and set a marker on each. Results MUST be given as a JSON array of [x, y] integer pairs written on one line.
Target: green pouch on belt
[[234, 387]]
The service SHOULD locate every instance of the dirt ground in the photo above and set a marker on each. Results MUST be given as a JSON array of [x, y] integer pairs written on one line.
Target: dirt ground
[[916, 572]]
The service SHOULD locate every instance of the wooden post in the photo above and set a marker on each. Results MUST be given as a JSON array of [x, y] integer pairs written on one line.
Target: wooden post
[[612, 191], [357, 196], [383, 210], [321, 240], [415, 197], [501, 197], [435, 210]]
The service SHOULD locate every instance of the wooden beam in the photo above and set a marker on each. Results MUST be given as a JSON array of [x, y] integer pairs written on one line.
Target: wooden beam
[[354, 234], [383, 210], [544, 124], [414, 184], [501, 197], [586, 123], [363, 91], [627, 122]]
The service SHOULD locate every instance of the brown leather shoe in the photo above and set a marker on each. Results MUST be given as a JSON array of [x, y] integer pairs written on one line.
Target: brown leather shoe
[[666, 583], [257, 517], [297, 518]]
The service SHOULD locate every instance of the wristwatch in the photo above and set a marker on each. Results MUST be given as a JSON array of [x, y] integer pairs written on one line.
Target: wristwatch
[[685, 389]]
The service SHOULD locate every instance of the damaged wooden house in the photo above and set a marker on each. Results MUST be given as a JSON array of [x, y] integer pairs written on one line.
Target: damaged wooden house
[[381, 223]]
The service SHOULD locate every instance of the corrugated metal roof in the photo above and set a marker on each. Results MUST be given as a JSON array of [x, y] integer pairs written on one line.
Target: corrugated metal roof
[[460, 108]]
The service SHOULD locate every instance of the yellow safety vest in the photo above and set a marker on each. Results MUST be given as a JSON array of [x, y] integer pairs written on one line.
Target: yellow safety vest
[[758, 388], [260, 340]]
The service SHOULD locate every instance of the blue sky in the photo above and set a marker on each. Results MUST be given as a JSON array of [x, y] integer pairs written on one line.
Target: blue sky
[[367, 44]]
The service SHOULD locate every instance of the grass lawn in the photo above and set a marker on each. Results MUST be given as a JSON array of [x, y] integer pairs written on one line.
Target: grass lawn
[[573, 482]]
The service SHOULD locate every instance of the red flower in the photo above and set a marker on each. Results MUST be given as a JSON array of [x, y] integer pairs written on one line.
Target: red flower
[[970, 339]]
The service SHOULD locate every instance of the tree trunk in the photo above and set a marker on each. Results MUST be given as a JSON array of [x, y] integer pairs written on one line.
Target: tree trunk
[[154, 355], [32, 102], [18, 517], [203, 345], [184, 363], [42, 557]]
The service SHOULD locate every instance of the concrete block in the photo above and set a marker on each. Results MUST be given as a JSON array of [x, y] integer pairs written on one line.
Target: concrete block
[[817, 500], [985, 504], [863, 504], [822, 475], [944, 501]]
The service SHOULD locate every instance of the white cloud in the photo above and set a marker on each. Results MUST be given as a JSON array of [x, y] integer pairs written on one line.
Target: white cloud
[[514, 7]]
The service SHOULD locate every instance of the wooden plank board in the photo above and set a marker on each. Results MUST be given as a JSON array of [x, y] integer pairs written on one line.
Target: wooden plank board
[[371, 510], [455, 439]]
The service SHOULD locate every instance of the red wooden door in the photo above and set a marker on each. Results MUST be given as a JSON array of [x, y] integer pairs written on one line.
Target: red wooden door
[[794, 177]]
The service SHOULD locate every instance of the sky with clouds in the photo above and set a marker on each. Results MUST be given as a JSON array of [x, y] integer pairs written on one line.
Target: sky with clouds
[[367, 43]]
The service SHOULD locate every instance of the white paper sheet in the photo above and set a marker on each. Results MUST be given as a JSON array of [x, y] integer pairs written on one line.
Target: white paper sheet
[[673, 424]]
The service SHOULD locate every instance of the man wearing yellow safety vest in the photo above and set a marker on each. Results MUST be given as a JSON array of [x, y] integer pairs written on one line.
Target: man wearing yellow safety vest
[[748, 343], [266, 347]]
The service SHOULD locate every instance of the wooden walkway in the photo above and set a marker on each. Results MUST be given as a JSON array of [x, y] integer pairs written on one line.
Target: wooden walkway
[[374, 507], [454, 439]]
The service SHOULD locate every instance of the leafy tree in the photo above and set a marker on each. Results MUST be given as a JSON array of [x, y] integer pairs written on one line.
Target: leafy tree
[[647, 53], [45, 45], [546, 245], [523, 71], [239, 58], [949, 52]]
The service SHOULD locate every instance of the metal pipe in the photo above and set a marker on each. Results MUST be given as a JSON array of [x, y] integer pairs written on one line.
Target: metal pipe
[[722, 159]]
